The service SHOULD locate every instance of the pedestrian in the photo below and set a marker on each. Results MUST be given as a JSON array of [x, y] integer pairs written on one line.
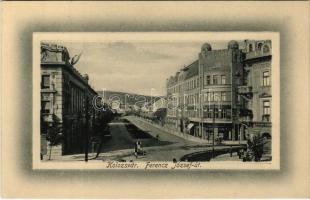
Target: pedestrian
[[136, 149], [139, 147]]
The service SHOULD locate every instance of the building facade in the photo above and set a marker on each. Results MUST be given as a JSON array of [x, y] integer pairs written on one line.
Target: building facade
[[256, 92], [182, 98], [224, 93], [66, 101], [220, 74]]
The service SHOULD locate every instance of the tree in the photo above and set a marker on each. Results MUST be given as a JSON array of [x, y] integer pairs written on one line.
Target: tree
[[54, 134], [102, 126], [255, 149]]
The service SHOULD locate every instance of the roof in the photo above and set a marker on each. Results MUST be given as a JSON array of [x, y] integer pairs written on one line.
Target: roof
[[188, 72], [57, 55], [191, 70]]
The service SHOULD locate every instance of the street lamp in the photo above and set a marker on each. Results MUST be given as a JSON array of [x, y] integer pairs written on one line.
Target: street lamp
[[86, 129], [213, 123]]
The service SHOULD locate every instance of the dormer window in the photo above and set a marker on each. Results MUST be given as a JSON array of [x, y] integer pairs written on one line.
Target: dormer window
[[259, 46], [266, 49]]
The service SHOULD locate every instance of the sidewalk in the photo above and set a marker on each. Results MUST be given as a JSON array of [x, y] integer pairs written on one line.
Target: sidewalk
[[140, 122], [179, 146]]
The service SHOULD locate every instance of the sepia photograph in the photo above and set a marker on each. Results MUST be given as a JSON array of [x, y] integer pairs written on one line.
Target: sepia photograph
[[154, 99], [157, 100]]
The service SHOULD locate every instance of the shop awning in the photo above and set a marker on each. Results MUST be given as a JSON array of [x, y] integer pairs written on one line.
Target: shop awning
[[189, 126]]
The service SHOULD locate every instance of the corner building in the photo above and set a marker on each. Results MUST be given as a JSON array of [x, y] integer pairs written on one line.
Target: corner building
[[256, 93], [64, 95], [220, 73], [202, 97]]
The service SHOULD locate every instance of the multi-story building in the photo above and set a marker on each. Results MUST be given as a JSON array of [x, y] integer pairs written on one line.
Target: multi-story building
[[182, 97], [66, 98], [226, 92], [202, 97], [256, 91], [220, 73]]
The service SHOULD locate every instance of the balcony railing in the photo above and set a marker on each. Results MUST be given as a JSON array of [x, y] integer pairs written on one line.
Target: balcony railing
[[256, 54], [47, 117], [245, 119], [244, 89], [266, 118], [261, 124], [243, 112]]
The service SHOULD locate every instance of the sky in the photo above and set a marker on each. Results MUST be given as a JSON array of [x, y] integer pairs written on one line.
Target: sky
[[134, 67]]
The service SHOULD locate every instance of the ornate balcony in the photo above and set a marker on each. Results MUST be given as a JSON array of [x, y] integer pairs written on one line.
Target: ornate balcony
[[245, 119], [262, 124], [266, 118], [256, 54], [47, 117], [245, 113], [245, 91]]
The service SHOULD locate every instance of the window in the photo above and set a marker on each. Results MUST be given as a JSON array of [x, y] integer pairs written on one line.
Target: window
[[259, 46], [217, 96], [45, 107], [266, 111], [205, 97], [223, 96], [266, 107], [216, 113], [223, 79], [250, 47], [45, 82], [228, 113], [215, 80], [266, 78], [210, 96], [224, 113], [208, 80], [209, 114], [266, 49], [220, 113]]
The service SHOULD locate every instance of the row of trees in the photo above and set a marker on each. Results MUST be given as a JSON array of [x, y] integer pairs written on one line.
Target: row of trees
[[159, 116], [54, 130], [101, 127]]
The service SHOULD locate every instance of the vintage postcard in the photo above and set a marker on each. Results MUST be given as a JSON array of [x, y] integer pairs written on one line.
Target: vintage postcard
[[159, 99], [156, 100]]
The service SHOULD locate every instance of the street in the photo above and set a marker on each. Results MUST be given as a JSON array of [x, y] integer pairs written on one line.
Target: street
[[123, 137], [158, 144], [126, 131]]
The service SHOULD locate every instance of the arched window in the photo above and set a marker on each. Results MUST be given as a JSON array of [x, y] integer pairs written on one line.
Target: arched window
[[259, 46], [250, 47], [266, 49], [266, 135]]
